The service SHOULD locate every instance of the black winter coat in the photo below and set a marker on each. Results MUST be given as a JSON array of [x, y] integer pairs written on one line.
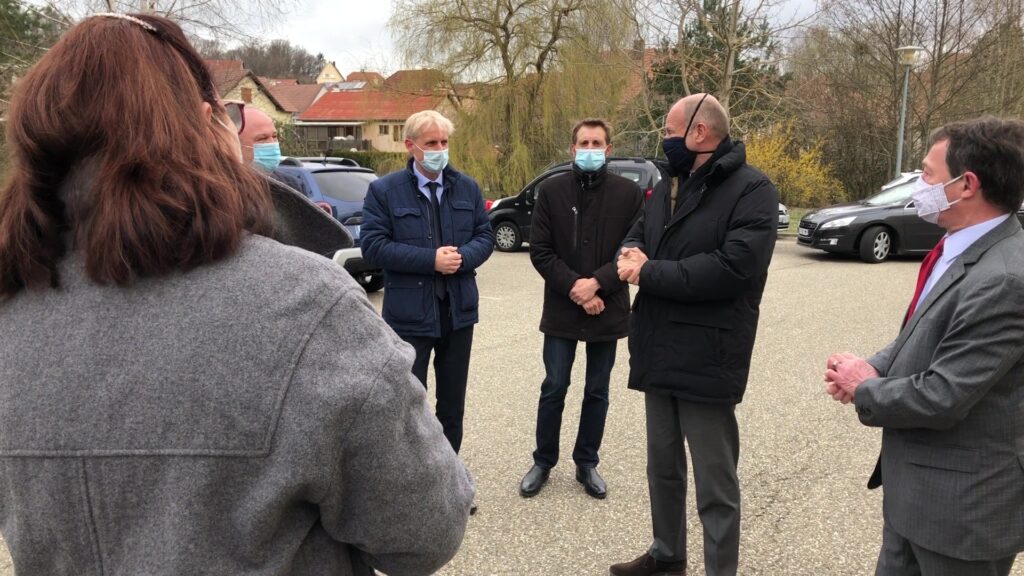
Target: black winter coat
[[579, 222], [695, 314]]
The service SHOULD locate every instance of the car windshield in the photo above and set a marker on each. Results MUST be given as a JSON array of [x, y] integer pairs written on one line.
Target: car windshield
[[344, 186], [896, 195]]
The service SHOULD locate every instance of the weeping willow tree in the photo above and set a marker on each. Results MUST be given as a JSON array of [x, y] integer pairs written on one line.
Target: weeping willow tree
[[523, 73]]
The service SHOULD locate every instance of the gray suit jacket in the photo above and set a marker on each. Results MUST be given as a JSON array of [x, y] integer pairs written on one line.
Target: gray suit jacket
[[951, 402]]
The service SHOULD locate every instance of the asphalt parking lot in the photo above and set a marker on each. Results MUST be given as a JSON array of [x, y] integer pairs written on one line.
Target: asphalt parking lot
[[804, 458]]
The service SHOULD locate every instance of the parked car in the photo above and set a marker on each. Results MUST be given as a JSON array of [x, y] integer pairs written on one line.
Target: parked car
[[339, 189], [783, 216], [510, 216], [298, 161], [876, 227]]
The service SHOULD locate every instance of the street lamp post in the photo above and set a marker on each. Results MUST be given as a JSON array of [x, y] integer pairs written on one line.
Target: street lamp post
[[908, 58]]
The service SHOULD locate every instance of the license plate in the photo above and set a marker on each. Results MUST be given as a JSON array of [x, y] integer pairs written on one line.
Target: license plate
[[803, 232]]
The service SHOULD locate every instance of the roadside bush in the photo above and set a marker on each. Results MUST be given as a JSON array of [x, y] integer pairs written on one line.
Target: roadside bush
[[799, 172], [379, 162]]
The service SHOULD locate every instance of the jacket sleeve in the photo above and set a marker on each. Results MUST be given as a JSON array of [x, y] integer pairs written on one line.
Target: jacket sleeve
[[730, 270], [608, 274], [555, 272], [882, 359], [481, 245], [981, 345], [385, 478], [377, 239]]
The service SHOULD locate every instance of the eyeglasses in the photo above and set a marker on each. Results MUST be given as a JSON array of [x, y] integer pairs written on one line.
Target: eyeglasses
[[236, 112]]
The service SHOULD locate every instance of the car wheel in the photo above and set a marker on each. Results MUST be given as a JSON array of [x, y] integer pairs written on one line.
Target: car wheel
[[507, 237], [876, 244], [371, 282]]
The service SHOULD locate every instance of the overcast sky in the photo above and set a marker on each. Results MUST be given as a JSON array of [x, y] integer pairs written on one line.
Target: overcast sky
[[354, 33]]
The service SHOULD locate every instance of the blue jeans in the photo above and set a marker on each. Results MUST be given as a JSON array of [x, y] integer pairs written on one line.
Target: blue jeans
[[559, 355]]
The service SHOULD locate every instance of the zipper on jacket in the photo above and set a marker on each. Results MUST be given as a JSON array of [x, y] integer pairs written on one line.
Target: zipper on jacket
[[575, 230]]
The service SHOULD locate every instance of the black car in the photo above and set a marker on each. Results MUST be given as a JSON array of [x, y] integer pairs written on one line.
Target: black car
[[339, 188], [510, 216], [874, 228]]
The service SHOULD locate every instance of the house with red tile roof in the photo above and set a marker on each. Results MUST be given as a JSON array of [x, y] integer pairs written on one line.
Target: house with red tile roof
[[364, 119], [235, 82], [296, 98], [372, 79], [414, 81]]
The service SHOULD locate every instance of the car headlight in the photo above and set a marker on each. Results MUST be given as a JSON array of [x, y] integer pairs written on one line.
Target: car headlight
[[496, 202], [837, 223]]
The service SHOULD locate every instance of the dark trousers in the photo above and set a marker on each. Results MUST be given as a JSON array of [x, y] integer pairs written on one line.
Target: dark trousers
[[451, 370], [901, 557], [711, 432], [559, 354]]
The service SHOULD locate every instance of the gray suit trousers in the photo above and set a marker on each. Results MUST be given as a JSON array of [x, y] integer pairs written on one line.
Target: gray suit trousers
[[711, 432], [901, 557]]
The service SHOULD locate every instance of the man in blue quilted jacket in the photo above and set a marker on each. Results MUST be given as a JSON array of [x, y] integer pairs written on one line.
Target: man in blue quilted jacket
[[426, 227]]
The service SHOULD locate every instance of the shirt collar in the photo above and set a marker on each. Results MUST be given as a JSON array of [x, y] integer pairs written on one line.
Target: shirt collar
[[958, 242], [423, 180]]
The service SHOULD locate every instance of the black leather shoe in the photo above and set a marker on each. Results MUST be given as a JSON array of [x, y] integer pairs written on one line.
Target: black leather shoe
[[592, 481], [533, 481], [472, 509], [647, 566]]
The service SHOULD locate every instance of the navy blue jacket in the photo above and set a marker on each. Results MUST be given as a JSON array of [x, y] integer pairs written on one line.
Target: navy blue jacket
[[395, 236]]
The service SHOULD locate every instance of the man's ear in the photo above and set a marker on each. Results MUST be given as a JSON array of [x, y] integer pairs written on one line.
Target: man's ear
[[972, 185], [608, 151]]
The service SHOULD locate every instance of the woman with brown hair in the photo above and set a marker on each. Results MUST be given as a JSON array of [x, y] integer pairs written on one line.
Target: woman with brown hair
[[179, 394]]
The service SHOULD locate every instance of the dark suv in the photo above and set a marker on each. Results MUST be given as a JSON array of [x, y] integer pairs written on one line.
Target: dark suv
[[339, 188], [510, 216]]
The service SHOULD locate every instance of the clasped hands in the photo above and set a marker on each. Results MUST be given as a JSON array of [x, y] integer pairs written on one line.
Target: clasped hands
[[584, 293], [844, 372], [631, 260], [447, 260]]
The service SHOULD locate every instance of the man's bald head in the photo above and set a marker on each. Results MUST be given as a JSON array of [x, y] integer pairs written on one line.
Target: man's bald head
[[711, 114], [259, 129]]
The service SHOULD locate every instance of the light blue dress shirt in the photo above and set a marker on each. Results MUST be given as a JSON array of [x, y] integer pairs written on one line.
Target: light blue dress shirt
[[956, 244], [423, 181]]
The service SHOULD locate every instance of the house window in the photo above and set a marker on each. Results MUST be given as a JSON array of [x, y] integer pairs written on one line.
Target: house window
[[383, 129], [397, 134], [247, 95]]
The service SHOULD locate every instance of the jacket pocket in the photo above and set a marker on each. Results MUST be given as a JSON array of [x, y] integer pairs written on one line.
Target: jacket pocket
[[469, 295], [409, 224], [463, 216], [944, 458], [406, 301]]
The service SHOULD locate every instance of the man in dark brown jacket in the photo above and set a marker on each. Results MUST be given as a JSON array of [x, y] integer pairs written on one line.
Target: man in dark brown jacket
[[579, 221]]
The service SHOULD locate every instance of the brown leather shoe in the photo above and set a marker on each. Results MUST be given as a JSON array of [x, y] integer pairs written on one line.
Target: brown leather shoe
[[648, 566]]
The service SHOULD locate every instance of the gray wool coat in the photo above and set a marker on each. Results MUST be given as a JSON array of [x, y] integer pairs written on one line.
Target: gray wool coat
[[253, 416]]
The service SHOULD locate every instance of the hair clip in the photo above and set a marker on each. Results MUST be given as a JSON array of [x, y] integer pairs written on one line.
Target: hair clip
[[145, 25]]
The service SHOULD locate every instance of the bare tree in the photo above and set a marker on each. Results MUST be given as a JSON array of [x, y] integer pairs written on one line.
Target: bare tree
[[523, 71], [238, 20]]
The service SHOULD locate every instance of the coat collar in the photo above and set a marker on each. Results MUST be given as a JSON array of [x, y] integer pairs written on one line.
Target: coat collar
[[955, 272]]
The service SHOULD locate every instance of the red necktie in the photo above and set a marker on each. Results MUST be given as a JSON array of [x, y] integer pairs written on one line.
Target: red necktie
[[922, 276]]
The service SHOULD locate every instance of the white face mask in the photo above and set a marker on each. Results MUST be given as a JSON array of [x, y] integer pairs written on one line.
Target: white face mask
[[930, 199]]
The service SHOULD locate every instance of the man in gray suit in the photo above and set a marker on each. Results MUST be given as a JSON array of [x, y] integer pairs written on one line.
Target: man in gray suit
[[949, 391]]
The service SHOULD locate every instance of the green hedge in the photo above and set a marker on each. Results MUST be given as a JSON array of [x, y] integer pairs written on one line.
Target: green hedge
[[379, 162]]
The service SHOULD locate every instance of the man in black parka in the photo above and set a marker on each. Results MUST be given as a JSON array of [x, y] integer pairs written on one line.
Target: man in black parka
[[699, 255], [579, 221]]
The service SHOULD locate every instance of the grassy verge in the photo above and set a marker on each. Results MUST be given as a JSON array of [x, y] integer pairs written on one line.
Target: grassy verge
[[795, 214]]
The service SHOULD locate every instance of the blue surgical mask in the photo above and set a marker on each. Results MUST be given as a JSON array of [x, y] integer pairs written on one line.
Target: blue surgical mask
[[434, 160], [267, 155], [589, 160]]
